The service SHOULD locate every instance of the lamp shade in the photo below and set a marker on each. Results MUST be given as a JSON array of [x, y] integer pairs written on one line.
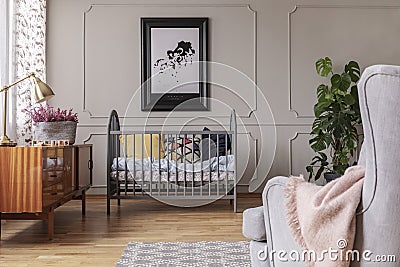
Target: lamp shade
[[41, 91]]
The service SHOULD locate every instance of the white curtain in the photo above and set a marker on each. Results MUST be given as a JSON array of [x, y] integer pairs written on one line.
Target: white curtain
[[29, 56]]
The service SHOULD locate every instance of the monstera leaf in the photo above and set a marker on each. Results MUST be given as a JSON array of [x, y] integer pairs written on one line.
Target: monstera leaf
[[341, 82], [353, 69], [324, 66]]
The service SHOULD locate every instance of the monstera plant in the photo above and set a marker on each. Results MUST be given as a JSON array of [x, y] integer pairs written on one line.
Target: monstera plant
[[336, 113]]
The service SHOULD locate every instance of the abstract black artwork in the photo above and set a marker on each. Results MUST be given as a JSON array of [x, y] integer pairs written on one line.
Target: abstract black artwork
[[174, 64], [181, 56]]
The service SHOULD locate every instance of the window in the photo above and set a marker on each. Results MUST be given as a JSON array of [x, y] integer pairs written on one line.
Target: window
[[3, 39], [5, 56]]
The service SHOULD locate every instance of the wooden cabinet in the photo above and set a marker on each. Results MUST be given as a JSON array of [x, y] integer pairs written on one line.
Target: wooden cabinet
[[36, 180]]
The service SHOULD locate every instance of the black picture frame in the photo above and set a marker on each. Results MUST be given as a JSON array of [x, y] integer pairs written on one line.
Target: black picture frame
[[191, 96]]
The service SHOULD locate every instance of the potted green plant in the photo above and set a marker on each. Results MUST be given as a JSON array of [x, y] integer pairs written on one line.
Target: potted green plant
[[336, 113], [54, 124]]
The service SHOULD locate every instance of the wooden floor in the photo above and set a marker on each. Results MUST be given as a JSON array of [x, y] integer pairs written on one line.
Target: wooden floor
[[97, 240]]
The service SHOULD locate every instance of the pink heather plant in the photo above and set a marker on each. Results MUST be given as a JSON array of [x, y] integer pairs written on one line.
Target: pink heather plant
[[50, 114]]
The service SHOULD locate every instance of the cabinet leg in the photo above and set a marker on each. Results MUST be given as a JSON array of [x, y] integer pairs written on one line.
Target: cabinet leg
[[83, 203], [50, 223]]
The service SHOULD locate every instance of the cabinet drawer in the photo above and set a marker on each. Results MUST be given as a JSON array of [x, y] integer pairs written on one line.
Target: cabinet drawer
[[52, 193], [52, 177]]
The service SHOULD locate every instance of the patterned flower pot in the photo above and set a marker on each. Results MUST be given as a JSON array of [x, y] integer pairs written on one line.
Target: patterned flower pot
[[56, 130]]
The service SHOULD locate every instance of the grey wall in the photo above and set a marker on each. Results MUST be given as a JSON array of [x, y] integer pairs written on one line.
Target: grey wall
[[93, 64]]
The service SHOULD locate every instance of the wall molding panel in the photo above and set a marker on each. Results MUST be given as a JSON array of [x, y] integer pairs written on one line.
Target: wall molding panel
[[91, 33], [291, 151], [329, 9]]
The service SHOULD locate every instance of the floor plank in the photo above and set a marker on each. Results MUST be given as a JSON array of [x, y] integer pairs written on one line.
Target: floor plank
[[98, 240]]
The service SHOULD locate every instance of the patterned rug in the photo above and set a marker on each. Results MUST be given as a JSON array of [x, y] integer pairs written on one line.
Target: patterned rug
[[194, 254]]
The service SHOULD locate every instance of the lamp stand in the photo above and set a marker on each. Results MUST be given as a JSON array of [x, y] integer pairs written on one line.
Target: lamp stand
[[4, 140]]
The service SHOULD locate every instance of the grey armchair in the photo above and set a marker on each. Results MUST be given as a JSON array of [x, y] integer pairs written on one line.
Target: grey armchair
[[378, 230]]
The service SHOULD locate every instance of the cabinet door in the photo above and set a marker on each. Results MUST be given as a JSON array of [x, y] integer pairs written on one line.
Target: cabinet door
[[85, 165], [57, 174], [20, 179], [69, 182]]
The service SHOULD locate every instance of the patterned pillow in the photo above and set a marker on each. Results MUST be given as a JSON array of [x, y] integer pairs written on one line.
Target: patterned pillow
[[187, 147], [209, 144], [147, 151]]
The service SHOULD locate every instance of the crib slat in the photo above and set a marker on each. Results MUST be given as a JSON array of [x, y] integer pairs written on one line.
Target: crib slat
[[125, 163], [150, 163], [201, 169], [184, 163], [168, 158], [209, 164], [233, 152], [193, 136], [176, 165], [118, 183], [142, 135], [226, 165], [159, 163], [218, 165], [134, 164]]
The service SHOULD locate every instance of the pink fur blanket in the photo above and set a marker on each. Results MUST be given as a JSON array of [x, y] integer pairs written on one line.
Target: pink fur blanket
[[323, 218]]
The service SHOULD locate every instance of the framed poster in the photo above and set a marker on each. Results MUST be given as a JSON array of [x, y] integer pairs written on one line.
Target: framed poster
[[174, 64]]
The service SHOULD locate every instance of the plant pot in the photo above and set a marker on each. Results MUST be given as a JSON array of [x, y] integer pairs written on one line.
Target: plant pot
[[330, 176], [55, 130]]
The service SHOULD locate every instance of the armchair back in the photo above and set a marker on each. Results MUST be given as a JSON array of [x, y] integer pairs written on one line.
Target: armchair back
[[378, 220]]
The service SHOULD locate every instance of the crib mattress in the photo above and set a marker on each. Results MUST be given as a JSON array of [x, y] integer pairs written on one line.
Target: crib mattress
[[215, 164]]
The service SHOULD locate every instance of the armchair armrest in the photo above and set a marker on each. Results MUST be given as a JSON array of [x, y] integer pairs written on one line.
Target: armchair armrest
[[253, 224], [279, 236]]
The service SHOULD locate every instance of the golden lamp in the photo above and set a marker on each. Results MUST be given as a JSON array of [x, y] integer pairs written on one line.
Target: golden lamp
[[41, 92]]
